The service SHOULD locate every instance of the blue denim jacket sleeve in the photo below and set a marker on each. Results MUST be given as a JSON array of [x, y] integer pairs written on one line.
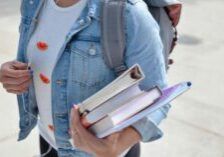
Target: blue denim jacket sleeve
[[144, 47]]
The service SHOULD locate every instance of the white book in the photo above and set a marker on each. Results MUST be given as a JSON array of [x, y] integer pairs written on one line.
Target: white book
[[129, 78], [112, 104], [127, 110]]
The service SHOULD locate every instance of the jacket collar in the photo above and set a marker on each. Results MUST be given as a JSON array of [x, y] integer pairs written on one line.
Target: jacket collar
[[94, 8]]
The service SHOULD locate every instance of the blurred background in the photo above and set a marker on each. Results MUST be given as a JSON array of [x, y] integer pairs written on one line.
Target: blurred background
[[194, 127]]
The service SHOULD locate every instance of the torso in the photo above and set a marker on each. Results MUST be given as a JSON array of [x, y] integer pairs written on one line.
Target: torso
[[43, 48]]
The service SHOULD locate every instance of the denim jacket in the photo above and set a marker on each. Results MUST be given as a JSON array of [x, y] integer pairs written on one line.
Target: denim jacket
[[80, 70]]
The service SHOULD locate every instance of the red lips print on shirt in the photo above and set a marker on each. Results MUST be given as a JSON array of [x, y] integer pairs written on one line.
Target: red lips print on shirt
[[51, 127], [42, 46], [44, 78]]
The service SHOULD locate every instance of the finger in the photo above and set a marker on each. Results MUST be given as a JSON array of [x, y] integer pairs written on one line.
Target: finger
[[15, 81], [175, 20], [19, 65], [25, 85], [9, 69], [21, 87], [75, 118], [77, 141], [76, 125], [14, 91], [174, 12], [16, 73], [17, 86], [82, 138], [73, 131], [84, 122]]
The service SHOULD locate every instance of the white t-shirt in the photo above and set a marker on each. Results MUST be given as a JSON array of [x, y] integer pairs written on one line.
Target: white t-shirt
[[53, 26]]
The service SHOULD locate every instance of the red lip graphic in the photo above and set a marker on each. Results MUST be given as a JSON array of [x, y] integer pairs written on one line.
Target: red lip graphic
[[44, 79], [51, 127], [42, 46]]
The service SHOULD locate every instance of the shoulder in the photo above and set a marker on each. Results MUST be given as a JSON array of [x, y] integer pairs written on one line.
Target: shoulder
[[142, 31], [135, 4], [139, 19], [137, 11], [28, 7]]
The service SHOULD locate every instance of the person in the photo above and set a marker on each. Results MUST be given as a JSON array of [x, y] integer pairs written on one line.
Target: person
[[60, 63]]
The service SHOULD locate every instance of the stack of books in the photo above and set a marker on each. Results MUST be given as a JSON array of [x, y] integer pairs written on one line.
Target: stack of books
[[122, 103]]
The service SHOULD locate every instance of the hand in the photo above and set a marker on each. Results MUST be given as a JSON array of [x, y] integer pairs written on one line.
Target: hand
[[112, 145], [87, 142], [174, 12], [15, 77]]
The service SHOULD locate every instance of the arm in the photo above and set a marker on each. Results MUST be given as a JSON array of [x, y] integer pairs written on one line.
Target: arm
[[144, 47], [112, 146]]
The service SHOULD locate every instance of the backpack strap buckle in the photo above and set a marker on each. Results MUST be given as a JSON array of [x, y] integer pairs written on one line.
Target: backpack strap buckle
[[120, 69]]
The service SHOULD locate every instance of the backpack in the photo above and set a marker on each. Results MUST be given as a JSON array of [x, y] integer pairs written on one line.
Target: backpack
[[113, 35]]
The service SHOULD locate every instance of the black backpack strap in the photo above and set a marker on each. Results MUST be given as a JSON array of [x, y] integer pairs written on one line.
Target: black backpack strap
[[113, 34]]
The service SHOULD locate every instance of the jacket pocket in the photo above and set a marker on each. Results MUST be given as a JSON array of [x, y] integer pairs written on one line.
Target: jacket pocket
[[87, 65]]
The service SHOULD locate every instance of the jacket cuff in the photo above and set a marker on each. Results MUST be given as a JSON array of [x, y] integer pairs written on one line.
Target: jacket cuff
[[148, 130]]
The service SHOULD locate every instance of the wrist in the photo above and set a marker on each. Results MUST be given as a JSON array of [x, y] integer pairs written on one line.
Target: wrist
[[110, 153], [134, 134], [128, 138]]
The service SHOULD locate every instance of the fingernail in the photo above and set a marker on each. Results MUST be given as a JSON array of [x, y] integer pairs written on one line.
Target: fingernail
[[69, 131], [75, 107]]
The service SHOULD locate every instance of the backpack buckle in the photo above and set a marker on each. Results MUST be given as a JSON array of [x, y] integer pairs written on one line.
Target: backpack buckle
[[119, 69]]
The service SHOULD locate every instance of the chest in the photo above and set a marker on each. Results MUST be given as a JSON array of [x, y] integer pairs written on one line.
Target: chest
[[54, 23], [86, 72]]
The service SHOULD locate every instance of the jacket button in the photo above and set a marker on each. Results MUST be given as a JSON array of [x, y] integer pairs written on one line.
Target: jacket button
[[31, 2], [81, 22], [91, 13], [51, 127], [59, 82], [92, 51]]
